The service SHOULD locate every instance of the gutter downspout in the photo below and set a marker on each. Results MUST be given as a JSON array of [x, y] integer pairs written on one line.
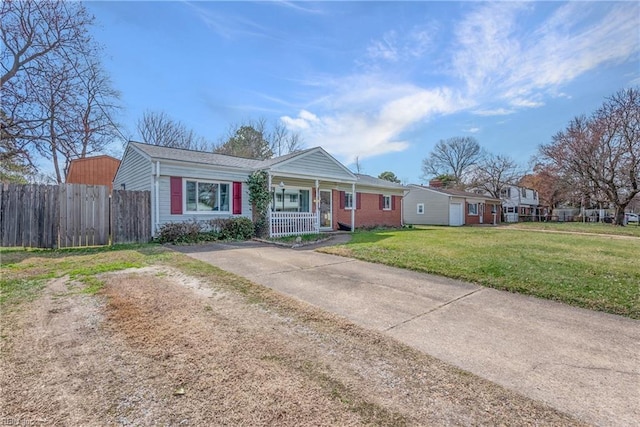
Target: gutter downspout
[[354, 200], [157, 197], [404, 193]]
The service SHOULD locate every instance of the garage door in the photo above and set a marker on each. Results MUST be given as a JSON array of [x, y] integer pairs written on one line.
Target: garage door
[[455, 214]]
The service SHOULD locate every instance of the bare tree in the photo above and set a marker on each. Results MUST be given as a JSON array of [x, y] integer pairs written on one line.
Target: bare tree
[[282, 141], [56, 98], [603, 151], [357, 164], [494, 173], [33, 29], [157, 128], [97, 105], [454, 156]]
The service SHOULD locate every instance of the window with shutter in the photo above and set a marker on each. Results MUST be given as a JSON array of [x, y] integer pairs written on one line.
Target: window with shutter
[[176, 195], [237, 198]]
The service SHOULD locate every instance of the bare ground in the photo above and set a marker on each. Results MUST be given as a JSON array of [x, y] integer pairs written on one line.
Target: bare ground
[[158, 347]]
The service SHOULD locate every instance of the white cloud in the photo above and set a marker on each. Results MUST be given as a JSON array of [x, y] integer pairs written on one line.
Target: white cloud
[[498, 59], [503, 64], [396, 46], [495, 112], [386, 48], [352, 129], [528, 103]]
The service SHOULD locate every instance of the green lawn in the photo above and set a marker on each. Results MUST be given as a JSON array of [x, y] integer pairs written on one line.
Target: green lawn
[[580, 227], [591, 271]]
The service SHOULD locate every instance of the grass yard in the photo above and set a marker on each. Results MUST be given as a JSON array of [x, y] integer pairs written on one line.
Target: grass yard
[[142, 335], [592, 271], [579, 227]]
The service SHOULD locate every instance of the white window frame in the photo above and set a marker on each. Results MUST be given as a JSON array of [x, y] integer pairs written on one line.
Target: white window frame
[[277, 194], [349, 202], [386, 202], [469, 209], [203, 181], [420, 209]]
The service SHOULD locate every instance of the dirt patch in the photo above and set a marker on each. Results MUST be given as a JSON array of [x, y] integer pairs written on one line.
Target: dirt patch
[[160, 347]]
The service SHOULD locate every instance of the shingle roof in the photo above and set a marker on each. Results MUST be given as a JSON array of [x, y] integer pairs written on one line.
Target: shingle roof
[[458, 193], [181, 154], [377, 182]]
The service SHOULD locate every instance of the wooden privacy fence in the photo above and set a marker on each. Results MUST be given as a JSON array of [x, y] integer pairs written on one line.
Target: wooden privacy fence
[[72, 215]]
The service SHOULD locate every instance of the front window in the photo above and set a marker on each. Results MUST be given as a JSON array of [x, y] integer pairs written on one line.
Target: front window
[[207, 196], [524, 192], [291, 200], [420, 209], [386, 205], [348, 200], [473, 208]]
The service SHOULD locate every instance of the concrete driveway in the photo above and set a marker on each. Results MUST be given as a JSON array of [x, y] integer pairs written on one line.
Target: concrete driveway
[[581, 362]]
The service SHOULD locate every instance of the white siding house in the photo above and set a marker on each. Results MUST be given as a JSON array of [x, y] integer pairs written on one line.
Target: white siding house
[[439, 206], [519, 202], [306, 187]]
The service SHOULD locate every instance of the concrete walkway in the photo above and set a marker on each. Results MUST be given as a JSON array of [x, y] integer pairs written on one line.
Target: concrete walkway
[[581, 362]]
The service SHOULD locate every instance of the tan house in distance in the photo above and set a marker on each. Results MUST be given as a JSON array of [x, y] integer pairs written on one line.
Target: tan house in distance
[[98, 170]]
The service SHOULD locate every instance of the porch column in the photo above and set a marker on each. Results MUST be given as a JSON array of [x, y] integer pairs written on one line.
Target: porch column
[[354, 200], [316, 200], [270, 206]]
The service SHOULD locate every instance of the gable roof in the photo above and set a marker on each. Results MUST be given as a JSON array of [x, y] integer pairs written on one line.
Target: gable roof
[[455, 193], [193, 156]]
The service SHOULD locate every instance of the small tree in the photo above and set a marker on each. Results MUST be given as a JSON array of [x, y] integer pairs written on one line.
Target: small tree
[[246, 142], [389, 176], [259, 197]]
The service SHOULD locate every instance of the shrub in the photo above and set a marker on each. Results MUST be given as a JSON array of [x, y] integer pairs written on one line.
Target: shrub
[[193, 231], [180, 232], [239, 228]]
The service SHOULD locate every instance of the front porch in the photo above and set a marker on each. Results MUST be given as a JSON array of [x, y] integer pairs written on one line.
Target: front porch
[[293, 223]]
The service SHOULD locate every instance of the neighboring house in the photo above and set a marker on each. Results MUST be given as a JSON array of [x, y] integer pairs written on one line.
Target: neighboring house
[[440, 206], [311, 190], [98, 170], [520, 203]]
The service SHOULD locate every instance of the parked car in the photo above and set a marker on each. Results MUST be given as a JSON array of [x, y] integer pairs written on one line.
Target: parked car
[[632, 218]]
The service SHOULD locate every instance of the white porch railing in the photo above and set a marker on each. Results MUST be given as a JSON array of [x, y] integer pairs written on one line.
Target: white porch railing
[[293, 223]]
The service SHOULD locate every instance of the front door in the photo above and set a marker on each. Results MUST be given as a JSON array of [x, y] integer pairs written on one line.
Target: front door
[[325, 209], [481, 212]]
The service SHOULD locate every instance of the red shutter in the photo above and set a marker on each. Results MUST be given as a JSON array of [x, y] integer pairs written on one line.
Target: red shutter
[[393, 203], [237, 198], [342, 200], [381, 202], [176, 195], [358, 200]]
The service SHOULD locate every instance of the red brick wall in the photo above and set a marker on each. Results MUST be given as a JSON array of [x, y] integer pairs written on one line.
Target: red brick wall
[[368, 213], [488, 216]]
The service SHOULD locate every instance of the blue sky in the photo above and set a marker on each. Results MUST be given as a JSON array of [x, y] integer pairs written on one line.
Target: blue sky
[[384, 81]]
